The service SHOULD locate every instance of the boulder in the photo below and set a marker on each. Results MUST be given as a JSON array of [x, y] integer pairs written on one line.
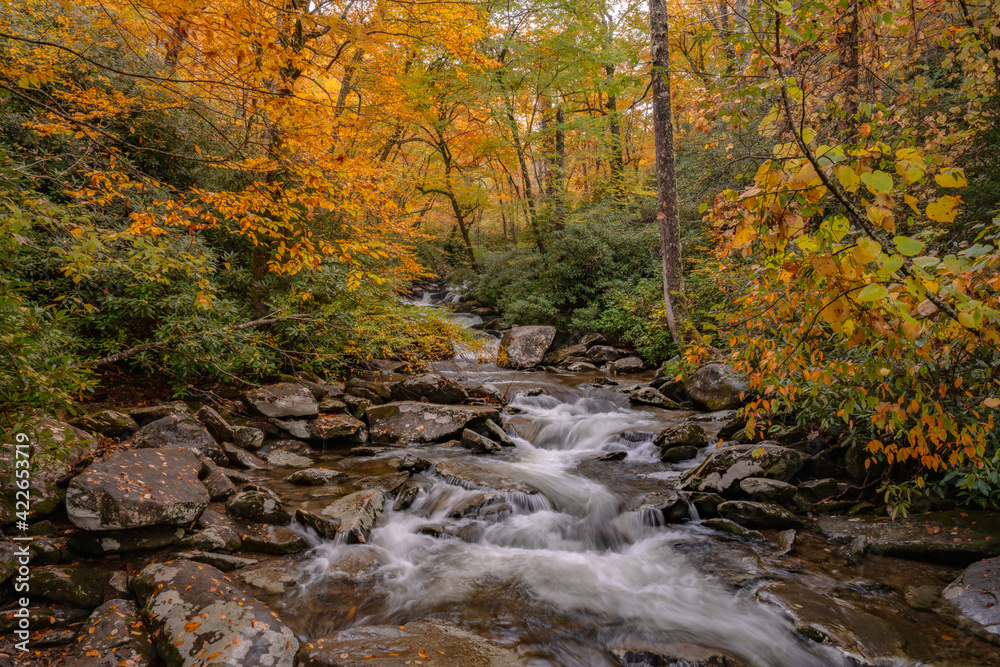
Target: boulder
[[450, 646], [678, 454], [565, 353], [726, 467], [357, 513], [759, 515], [150, 413], [525, 347], [137, 488], [649, 396], [429, 387], [582, 367], [684, 434], [107, 422], [479, 443], [356, 562], [716, 386], [241, 459], [642, 654], [600, 354], [224, 562], [496, 432], [471, 476], [389, 483], [592, 339], [80, 585], [817, 490], [285, 399], [731, 527], [179, 430], [218, 532], [113, 636], [314, 476], [215, 424], [248, 438], [627, 366], [324, 526], [414, 464], [259, 505], [281, 458], [325, 427], [267, 539], [195, 611], [408, 421], [105, 543], [273, 580], [219, 486], [759, 488], [970, 602]]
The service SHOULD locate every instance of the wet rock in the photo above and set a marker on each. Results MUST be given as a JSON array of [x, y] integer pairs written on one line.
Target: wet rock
[[682, 435], [925, 598], [394, 645], [473, 504], [248, 438], [219, 486], [325, 427], [706, 504], [937, 537], [324, 526], [194, 611], [627, 366], [137, 488], [215, 424], [406, 497], [241, 459], [273, 580], [970, 602], [817, 490], [281, 458], [733, 528], [330, 405], [726, 467], [472, 476], [600, 354], [218, 532], [179, 430], [830, 620], [265, 539], [314, 476], [355, 562], [151, 413], [104, 543], [582, 367], [357, 512], [414, 464], [649, 654], [47, 639], [285, 399], [592, 339], [525, 347], [424, 422], [613, 456], [429, 387], [315, 385], [44, 617], [670, 505], [377, 391], [784, 541], [716, 386], [534, 391], [488, 393], [80, 585], [107, 422], [224, 562], [293, 446], [678, 454], [388, 484], [649, 396], [759, 515], [479, 443], [259, 505], [113, 636], [760, 488], [565, 353]]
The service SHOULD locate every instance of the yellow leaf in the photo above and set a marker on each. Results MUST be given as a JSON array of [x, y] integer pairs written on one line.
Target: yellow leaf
[[943, 210], [848, 178], [992, 402], [951, 178], [866, 251]]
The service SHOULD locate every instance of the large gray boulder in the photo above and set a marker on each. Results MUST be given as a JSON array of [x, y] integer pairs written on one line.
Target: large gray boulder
[[408, 421], [726, 467], [472, 476], [357, 513], [716, 386], [113, 636], [650, 396], [138, 488], [525, 347], [447, 645], [759, 515], [107, 422], [325, 427], [259, 505], [627, 366], [180, 430], [285, 399], [199, 616], [430, 387], [970, 602]]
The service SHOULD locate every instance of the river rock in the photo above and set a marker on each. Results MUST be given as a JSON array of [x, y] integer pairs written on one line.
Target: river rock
[[649, 396], [224, 562], [496, 432], [219, 532], [314, 476], [267, 539], [582, 367], [80, 585], [670, 505], [150, 413], [716, 386], [627, 366], [970, 602], [107, 422], [241, 459], [355, 562], [760, 488], [357, 512], [733, 528], [179, 430], [281, 458], [759, 515], [726, 467], [215, 424], [678, 436], [564, 354], [414, 464], [678, 454], [408, 421], [395, 645], [273, 580], [248, 438], [471, 476], [325, 427], [429, 387], [479, 443], [104, 543], [644, 654], [113, 636], [196, 612], [324, 526], [600, 354], [219, 486], [136, 488], [285, 399], [259, 505], [817, 490], [937, 537], [525, 347]]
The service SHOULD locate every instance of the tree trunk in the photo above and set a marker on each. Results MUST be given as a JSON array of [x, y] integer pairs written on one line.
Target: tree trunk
[[529, 195], [666, 177]]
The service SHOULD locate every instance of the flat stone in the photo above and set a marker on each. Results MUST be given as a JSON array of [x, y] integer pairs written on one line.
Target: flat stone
[[762, 489], [472, 476], [194, 610], [138, 488], [284, 459], [759, 515], [259, 505], [103, 543], [267, 539], [325, 427], [179, 430], [273, 580], [314, 476], [644, 654], [111, 423], [355, 562], [113, 636], [357, 513], [627, 366], [388, 484], [242, 459], [479, 443], [394, 645], [286, 399], [424, 422], [151, 413], [970, 602], [678, 454], [733, 528], [649, 396], [224, 562]]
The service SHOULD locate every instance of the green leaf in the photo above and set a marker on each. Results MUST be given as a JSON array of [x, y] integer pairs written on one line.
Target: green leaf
[[908, 247], [926, 262], [784, 8], [878, 181], [873, 292]]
